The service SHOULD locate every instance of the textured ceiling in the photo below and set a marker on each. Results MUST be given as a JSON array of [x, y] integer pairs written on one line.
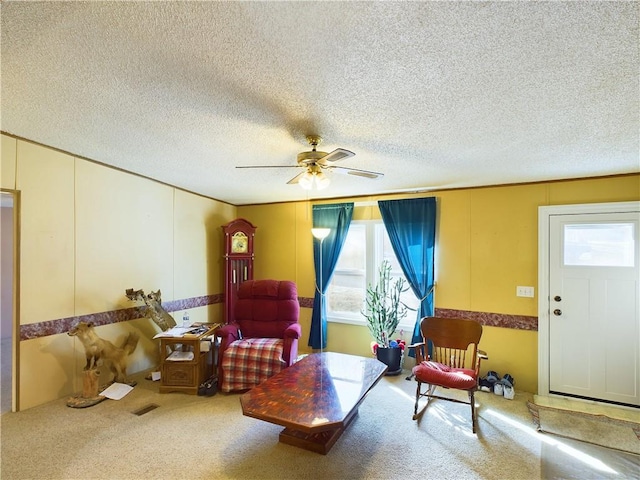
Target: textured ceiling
[[433, 94]]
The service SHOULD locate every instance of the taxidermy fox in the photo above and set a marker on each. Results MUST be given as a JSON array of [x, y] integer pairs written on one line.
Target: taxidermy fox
[[97, 348]]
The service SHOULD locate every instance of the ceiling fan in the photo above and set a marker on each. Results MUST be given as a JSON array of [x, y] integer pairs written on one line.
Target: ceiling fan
[[314, 162]]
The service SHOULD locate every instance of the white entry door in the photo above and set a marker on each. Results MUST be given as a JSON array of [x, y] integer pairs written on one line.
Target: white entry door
[[594, 306]]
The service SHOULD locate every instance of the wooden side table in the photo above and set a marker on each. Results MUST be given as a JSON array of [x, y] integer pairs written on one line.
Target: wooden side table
[[186, 375]]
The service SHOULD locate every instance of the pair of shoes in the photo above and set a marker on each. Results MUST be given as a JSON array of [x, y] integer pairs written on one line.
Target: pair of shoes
[[498, 389], [508, 380], [495, 384], [492, 377], [509, 392], [507, 386], [485, 385], [502, 387]]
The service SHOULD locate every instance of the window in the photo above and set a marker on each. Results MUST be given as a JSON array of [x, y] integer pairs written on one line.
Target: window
[[366, 246], [599, 244]]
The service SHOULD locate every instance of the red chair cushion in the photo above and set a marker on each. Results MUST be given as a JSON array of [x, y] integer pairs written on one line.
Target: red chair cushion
[[442, 375]]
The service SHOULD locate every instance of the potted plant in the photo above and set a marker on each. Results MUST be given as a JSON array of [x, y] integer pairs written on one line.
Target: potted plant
[[384, 310]]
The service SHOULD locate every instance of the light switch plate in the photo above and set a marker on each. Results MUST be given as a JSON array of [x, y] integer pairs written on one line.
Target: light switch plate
[[525, 292]]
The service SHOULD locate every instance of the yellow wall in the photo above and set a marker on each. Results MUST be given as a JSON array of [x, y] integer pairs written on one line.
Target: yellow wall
[[487, 244], [45, 178], [89, 232]]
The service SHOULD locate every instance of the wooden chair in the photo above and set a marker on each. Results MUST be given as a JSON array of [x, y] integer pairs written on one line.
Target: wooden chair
[[454, 361]]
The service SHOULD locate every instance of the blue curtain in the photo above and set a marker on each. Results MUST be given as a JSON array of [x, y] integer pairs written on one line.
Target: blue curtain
[[337, 217], [411, 226]]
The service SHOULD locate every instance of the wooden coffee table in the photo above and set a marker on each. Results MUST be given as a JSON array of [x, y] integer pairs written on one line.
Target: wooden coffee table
[[315, 399]]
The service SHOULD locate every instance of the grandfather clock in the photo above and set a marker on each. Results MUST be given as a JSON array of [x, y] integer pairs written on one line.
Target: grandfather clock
[[238, 259]]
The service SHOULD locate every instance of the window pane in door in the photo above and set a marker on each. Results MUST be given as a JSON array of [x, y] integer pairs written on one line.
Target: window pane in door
[[599, 244]]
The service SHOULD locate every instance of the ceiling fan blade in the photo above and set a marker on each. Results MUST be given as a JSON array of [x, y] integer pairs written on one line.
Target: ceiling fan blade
[[356, 172], [269, 166], [295, 179], [337, 154]]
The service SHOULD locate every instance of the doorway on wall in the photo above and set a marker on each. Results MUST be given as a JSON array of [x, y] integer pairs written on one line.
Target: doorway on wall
[[589, 303], [7, 299]]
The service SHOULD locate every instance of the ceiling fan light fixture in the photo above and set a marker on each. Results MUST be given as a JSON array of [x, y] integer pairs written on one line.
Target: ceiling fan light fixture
[[322, 181], [314, 180], [306, 181]]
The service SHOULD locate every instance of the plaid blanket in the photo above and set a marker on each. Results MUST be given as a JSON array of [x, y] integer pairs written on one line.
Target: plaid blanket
[[250, 361]]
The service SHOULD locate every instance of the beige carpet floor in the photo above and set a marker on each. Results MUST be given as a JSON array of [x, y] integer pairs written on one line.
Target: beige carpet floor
[[191, 437]]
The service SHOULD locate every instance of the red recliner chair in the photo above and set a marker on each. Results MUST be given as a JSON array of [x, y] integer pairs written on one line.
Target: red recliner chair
[[262, 338]]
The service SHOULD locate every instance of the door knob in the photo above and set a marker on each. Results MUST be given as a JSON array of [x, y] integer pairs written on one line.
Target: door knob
[[557, 312], [557, 298]]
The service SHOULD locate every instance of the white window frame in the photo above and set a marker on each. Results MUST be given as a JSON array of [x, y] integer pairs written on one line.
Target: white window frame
[[372, 263]]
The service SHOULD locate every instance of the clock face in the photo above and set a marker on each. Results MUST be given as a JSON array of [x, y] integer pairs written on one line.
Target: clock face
[[239, 243]]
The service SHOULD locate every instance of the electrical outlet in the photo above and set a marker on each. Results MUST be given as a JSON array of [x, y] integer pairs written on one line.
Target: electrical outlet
[[525, 292]]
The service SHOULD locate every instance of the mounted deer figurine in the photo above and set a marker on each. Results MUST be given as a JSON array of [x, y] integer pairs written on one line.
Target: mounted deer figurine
[[155, 311]]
